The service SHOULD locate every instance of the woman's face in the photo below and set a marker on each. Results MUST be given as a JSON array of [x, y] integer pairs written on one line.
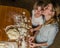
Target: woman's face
[[48, 10], [38, 11]]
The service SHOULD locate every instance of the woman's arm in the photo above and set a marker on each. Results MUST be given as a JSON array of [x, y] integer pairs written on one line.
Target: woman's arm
[[37, 45], [43, 44]]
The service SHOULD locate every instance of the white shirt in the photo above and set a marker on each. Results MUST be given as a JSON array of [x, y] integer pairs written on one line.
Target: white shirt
[[37, 21]]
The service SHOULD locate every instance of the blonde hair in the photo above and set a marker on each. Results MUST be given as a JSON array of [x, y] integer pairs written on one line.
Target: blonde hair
[[57, 10], [39, 3]]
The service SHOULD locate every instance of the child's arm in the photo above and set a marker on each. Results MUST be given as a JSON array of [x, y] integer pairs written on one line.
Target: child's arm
[[37, 28]]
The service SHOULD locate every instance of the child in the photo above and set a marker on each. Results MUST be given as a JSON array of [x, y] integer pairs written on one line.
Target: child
[[37, 17]]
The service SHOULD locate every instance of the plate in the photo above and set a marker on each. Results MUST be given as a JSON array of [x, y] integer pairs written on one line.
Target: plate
[[8, 45]]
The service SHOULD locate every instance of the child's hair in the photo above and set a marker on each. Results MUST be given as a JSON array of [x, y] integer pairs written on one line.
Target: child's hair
[[39, 3]]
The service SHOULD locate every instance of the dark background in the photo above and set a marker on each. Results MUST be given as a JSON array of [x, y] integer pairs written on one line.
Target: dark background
[[28, 4]]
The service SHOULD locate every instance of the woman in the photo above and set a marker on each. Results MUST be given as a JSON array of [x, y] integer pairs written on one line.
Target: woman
[[48, 31]]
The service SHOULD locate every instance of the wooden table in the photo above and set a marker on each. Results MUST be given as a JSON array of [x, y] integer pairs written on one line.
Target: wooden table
[[6, 14]]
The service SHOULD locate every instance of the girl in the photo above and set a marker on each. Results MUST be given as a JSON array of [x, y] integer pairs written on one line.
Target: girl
[[37, 18]]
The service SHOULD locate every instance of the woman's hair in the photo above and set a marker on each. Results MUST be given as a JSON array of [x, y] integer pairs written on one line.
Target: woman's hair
[[57, 12], [56, 9]]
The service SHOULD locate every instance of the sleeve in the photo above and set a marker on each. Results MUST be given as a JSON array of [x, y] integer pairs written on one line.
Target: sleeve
[[32, 12], [51, 35]]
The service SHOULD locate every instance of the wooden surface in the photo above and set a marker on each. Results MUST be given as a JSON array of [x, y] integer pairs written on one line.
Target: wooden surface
[[6, 13]]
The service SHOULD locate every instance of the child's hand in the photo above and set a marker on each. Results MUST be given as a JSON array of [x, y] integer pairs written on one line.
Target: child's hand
[[31, 30]]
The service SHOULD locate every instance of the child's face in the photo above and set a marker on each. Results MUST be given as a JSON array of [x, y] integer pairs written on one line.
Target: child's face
[[38, 11], [48, 10]]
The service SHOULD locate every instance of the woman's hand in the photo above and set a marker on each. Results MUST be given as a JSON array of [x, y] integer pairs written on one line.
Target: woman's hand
[[32, 45]]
